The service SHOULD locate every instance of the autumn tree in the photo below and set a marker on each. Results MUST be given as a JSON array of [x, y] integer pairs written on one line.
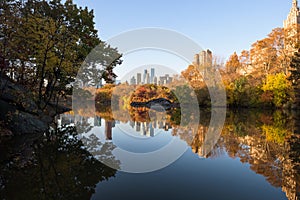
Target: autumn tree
[[270, 55], [245, 61], [277, 42], [233, 64], [263, 57], [279, 87], [193, 76]]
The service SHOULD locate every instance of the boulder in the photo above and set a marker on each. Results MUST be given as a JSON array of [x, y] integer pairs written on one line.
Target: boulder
[[160, 104], [19, 112]]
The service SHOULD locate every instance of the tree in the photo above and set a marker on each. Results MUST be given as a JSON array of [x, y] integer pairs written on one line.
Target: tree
[[280, 88], [263, 57], [277, 42], [295, 69], [233, 64], [244, 59], [295, 76], [49, 43], [193, 76], [270, 55]]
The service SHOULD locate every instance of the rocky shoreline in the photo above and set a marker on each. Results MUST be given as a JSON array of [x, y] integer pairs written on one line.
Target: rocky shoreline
[[20, 114]]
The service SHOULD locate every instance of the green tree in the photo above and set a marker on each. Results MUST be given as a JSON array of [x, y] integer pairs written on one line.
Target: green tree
[[280, 88], [295, 76], [49, 43], [295, 69]]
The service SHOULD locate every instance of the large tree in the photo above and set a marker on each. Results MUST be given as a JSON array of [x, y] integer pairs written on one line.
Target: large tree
[[233, 64], [295, 76], [46, 43]]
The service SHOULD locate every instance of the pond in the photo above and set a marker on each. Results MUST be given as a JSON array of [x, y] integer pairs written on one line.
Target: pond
[[150, 154]]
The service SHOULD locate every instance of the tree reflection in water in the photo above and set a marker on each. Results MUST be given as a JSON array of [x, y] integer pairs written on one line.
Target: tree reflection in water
[[269, 142], [59, 168]]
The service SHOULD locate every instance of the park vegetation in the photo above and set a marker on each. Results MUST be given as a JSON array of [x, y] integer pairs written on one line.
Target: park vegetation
[[43, 44], [265, 76]]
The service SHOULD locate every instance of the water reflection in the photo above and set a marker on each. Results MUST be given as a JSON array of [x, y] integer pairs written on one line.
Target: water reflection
[[64, 167], [57, 167], [266, 141]]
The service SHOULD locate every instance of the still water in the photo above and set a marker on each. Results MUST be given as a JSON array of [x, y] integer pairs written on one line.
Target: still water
[[256, 156]]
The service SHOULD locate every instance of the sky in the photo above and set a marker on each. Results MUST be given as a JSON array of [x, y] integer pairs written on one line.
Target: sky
[[223, 26]]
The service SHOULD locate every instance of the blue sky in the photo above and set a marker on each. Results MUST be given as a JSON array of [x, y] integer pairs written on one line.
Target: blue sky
[[223, 26]]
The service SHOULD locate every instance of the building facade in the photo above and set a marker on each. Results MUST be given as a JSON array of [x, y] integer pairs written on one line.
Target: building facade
[[291, 27], [293, 17], [204, 58]]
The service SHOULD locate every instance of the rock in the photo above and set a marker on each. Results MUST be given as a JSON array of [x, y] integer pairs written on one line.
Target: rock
[[17, 96], [160, 104], [19, 112]]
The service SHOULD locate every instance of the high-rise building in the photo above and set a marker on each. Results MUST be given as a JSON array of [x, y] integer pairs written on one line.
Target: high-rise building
[[144, 76], [133, 81], [155, 80], [293, 17], [152, 75], [204, 58], [291, 26], [196, 60], [147, 78], [162, 80], [138, 78]]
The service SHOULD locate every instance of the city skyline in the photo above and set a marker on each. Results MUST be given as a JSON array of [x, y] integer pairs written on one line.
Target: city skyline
[[149, 77], [223, 27]]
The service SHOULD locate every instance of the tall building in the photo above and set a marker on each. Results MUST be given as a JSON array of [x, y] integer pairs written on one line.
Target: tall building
[[204, 58], [152, 75], [138, 78], [155, 80], [293, 17], [291, 26], [144, 76], [147, 78], [133, 81], [196, 60]]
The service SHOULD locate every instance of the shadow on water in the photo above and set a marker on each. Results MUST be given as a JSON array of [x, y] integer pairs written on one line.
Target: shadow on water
[[54, 166]]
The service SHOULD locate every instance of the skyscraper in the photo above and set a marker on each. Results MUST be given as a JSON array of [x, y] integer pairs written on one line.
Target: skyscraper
[[144, 76], [155, 80], [204, 58], [293, 17], [147, 78], [196, 60], [133, 81], [152, 75], [138, 78], [291, 25]]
